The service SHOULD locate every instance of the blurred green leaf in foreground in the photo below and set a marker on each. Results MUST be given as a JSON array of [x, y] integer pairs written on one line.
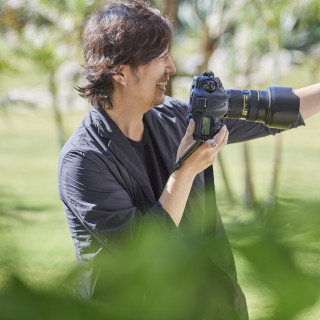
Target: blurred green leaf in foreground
[[171, 276]]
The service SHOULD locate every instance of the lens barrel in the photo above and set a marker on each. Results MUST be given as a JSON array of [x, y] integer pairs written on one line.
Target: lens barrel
[[276, 107]]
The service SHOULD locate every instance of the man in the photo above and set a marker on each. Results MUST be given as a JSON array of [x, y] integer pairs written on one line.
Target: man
[[113, 171]]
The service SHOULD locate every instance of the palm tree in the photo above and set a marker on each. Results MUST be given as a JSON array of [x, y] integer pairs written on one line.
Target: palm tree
[[285, 25], [282, 19], [48, 35]]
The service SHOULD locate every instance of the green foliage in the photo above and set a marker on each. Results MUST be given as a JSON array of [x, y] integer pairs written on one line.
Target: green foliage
[[273, 256], [169, 276], [5, 65], [166, 276]]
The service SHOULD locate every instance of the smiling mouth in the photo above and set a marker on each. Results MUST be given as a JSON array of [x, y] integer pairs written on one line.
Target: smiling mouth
[[162, 85]]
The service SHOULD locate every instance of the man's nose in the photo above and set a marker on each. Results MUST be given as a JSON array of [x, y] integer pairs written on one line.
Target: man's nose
[[171, 69]]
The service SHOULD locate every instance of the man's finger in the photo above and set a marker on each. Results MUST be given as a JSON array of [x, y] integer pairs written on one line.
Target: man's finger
[[191, 127], [218, 138]]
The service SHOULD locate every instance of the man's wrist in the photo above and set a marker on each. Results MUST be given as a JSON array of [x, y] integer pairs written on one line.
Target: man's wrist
[[185, 171]]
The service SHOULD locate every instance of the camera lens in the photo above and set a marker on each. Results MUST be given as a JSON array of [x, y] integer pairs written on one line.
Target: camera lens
[[276, 107]]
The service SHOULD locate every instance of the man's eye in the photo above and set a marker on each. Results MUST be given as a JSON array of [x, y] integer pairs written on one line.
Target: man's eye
[[164, 56]]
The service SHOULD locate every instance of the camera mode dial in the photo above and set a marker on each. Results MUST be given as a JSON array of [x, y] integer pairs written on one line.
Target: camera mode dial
[[208, 73]]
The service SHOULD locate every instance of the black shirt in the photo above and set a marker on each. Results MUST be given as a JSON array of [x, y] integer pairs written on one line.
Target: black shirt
[[151, 160]]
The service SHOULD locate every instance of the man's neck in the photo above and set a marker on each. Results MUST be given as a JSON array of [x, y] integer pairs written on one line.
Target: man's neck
[[129, 122]]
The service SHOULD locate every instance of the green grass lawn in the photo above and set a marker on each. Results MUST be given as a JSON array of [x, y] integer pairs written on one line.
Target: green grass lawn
[[35, 240]]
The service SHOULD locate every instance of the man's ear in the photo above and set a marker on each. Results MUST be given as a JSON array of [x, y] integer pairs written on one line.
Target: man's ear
[[120, 77]]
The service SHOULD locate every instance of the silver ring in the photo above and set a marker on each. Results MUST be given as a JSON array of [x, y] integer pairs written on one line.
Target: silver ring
[[213, 143]]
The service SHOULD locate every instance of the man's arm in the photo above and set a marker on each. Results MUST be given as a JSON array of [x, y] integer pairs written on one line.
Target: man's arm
[[309, 100], [177, 189]]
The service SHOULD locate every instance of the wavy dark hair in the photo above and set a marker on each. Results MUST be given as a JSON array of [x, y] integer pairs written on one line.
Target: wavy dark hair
[[130, 32]]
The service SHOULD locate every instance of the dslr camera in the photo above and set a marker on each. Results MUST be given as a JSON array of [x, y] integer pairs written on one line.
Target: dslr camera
[[276, 107]]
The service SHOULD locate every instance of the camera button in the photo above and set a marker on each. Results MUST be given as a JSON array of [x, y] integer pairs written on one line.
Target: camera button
[[201, 103]]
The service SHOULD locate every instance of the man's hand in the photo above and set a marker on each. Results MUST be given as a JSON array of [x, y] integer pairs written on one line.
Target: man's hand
[[206, 155]]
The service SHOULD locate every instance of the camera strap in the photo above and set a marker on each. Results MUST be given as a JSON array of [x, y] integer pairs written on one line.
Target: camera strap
[[186, 155], [210, 218]]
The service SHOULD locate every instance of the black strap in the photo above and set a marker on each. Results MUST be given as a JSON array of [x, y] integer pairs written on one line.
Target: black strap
[[186, 155], [210, 218]]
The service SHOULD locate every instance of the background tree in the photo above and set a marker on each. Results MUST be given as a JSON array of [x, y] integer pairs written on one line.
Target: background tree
[[260, 52], [46, 35]]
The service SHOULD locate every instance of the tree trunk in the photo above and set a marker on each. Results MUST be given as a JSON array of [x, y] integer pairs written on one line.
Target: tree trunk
[[274, 42], [171, 10], [225, 178], [208, 46], [249, 197], [56, 112], [273, 191]]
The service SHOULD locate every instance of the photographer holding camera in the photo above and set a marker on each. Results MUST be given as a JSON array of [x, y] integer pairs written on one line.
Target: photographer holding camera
[[114, 170]]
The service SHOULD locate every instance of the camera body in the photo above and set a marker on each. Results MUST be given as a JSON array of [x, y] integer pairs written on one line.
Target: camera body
[[276, 107]]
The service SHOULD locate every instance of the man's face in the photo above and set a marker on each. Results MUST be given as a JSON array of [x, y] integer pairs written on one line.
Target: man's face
[[147, 84]]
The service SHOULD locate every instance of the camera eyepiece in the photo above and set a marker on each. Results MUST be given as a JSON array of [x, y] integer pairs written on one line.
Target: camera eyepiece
[[209, 85]]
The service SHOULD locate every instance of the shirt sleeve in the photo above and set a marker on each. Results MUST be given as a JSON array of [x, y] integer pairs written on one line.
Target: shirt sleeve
[[242, 130], [94, 197]]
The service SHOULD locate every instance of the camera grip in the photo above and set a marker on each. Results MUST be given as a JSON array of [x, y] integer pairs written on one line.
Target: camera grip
[[217, 126]]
